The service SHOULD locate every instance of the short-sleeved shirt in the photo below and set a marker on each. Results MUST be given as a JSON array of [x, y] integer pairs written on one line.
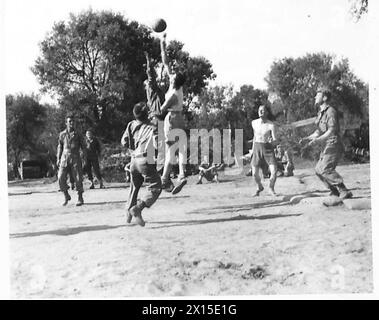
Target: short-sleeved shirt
[[93, 148], [69, 145], [327, 118], [138, 137]]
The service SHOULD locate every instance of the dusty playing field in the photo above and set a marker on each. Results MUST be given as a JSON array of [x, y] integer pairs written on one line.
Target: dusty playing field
[[208, 240]]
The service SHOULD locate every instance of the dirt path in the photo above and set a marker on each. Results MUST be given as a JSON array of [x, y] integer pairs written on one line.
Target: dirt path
[[208, 240]]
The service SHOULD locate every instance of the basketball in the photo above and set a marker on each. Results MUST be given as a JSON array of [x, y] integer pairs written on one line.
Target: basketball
[[159, 25]]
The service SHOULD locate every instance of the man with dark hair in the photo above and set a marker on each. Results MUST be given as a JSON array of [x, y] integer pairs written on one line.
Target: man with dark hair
[[263, 149], [154, 94], [174, 120], [68, 159], [155, 99], [328, 133], [93, 151], [140, 139]]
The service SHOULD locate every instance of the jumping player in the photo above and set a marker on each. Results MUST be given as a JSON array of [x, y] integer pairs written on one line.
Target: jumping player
[[174, 120]]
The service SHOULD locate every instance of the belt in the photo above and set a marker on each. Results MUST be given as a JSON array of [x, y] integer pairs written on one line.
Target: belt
[[140, 155]]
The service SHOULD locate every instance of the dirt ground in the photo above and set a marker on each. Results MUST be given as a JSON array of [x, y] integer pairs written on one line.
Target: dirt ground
[[209, 240]]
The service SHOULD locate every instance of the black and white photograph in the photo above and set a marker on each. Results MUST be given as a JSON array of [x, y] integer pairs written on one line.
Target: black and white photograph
[[187, 149]]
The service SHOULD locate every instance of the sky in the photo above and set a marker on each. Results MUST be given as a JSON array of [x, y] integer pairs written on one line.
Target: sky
[[241, 38]]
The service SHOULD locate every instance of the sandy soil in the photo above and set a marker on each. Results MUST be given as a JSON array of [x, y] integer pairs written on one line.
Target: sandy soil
[[208, 240]]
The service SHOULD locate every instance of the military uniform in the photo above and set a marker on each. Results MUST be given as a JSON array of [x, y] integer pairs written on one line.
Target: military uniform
[[155, 98], [68, 153], [327, 118], [139, 136], [93, 151]]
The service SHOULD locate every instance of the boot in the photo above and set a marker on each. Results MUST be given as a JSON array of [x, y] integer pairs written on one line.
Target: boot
[[136, 212], [67, 198], [259, 190], [334, 191], [344, 192], [92, 185], [80, 199], [101, 184], [167, 186], [72, 186]]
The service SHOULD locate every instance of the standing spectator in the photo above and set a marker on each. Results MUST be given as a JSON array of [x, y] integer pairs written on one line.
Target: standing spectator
[[68, 159], [93, 151]]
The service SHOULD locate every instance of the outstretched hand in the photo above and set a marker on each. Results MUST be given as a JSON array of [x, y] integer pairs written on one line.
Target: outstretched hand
[[312, 142]]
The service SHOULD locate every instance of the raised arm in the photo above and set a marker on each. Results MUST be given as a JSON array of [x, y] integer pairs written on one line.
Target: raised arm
[[148, 67], [164, 54]]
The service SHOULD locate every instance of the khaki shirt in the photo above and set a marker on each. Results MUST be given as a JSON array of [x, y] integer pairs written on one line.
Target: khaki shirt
[[327, 118], [93, 148], [69, 145], [139, 137]]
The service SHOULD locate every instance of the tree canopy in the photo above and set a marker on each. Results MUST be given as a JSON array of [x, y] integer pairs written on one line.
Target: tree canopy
[[294, 83], [98, 58], [25, 123]]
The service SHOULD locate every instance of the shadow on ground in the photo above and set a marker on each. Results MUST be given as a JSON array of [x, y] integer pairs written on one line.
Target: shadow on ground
[[206, 221], [65, 232]]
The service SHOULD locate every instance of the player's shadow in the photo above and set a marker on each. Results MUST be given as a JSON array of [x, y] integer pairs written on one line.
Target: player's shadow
[[169, 224], [65, 231], [104, 202], [126, 201], [283, 201]]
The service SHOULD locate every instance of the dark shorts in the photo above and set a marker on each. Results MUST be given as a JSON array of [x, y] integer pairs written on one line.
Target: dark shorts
[[263, 152]]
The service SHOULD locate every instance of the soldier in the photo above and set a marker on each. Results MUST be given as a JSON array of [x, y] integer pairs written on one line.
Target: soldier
[[284, 161], [139, 138], [328, 133], [93, 151], [155, 98], [68, 158], [208, 171]]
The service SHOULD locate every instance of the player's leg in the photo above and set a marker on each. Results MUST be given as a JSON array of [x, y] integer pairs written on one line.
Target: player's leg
[[257, 179], [77, 173], [272, 178], [62, 180], [136, 180]]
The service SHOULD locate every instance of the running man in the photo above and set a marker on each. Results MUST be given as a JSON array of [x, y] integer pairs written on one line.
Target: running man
[[68, 159], [328, 133], [174, 120], [138, 138], [263, 149]]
